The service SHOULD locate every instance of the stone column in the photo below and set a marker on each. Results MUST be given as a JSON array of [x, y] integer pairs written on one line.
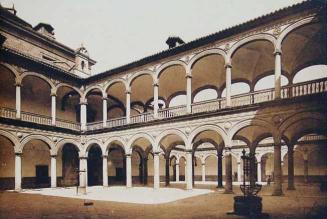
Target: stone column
[[105, 170], [290, 174], [18, 172], [189, 184], [83, 115], [278, 74], [104, 111], [177, 172], [229, 175], [18, 100], [167, 180], [82, 174], [203, 172], [228, 84], [156, 177], [277, 170], [53, 170], [239, 171], [145, 171], [128, 171], [155, 100], [53, 108], [259, 172], [220, 170], [128, 106], [188, 93], [306, 168]]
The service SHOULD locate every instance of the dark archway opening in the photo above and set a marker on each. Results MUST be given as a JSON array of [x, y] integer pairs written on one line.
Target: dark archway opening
[[70, 166], [94, 166]]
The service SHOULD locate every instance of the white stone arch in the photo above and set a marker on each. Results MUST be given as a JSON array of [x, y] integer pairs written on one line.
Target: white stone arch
[[58, 147], [43, 138], [140, 73], [42, 77], [137, 136], [104, 94], [114, 81], [208, 127], [168, 64], [111, 140], [252, 38], [88, 145], [290, 28], [251, 122], [214, 51], [11, 68], [179, 158], [206, 156], [14, 140], [68, 85], [163, 134]]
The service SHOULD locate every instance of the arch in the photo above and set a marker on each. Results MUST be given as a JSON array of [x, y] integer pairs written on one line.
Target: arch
[[11, 69], [62, 142], [175, 95], [137, 136], [13, 140], [138, 74], [70, 86], [209, 127], [302, 72], [291, 28], [104, 94], [90, 143], [111, 140], [214, 51], [251, 122], [249, 39], [265, 75], [209, 155], [139, 150], [202, 89], [114, 81], [169, 132], [29, 138], [42, 77], [168, 64]]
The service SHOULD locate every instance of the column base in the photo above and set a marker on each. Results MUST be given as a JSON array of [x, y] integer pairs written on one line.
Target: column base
[[81, 190], [228, 191], [18, 190]]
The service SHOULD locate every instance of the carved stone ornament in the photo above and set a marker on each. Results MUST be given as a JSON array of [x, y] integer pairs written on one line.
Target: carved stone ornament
[[277, 119], [227, 125], [277, 31], [19, 134]]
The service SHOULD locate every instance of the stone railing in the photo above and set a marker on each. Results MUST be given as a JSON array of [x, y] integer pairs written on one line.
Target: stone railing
[[142, 117], [289, 91], [172, 112], [7, 113]]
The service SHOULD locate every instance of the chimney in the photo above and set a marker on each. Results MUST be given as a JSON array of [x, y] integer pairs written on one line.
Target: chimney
[[174, 41]]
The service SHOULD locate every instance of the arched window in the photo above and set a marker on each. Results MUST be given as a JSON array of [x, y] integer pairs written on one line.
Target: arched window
[[268, 82], [237, 88], [205, 94], [310, 73]]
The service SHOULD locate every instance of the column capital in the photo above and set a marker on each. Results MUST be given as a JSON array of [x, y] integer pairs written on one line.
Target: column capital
[[19, 154], [156, 153], [156, 84], [83, 157], [188, 76], [128, 91], [104, 156], [105, 98], [128, 155], [83, 102], [53, 155], [53, 94], [228, 65], [277, 52], [189, 151]]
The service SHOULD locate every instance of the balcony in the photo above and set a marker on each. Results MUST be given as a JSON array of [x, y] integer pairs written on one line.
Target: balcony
[[287, 92]]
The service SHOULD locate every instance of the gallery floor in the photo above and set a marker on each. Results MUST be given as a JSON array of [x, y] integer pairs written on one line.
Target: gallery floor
[[204, 202]]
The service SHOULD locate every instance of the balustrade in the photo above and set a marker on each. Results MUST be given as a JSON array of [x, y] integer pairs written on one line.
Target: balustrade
[[289, 91]]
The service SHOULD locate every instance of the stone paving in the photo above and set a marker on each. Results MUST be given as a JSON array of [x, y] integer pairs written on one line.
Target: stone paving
[[305, 202]]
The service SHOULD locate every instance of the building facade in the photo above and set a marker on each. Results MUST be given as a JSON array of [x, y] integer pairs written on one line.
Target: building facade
[[62, 126]]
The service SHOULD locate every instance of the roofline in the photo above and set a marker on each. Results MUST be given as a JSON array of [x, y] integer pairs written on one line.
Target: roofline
[[283, 12]]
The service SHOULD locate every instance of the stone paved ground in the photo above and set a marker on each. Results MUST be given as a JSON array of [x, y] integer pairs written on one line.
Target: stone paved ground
[[305, 201]]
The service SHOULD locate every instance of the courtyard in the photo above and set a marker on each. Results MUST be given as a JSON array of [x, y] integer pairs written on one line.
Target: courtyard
[[204, 202]]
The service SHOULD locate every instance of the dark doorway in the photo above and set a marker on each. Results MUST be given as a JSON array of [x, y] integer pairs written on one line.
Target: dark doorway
[[94, 166], [42, 175], [70, 165]]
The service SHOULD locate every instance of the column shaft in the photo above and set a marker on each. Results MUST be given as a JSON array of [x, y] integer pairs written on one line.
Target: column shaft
[[105, 170], [128, 171], [18, 172], [82, 173], [290, 170], [239, 172], [189, 184], [177, 172], [18, 101], [278, 73], [228, 174], [104, 112], [83, 117], [53, 109], [155, 100], [128, 107], [228, 85], [220, 170], [203, 172], [277, 171], [156, 179], [53, 170], [259, 172], [145, 171], [167, 180], [188, 93]]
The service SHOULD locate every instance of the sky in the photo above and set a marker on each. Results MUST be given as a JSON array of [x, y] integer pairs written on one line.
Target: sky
[[116, 32]]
